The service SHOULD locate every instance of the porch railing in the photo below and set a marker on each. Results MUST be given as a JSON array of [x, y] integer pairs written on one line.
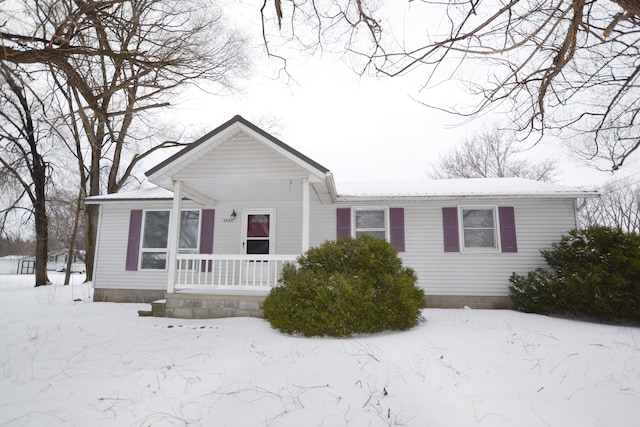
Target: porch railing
[[229, 272]]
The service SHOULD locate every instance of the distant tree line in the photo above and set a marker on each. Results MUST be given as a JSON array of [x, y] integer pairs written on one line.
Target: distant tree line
[[16, 246]]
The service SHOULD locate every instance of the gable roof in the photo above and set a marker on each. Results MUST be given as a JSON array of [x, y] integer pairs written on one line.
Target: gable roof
[[205, 176], [237, 119]]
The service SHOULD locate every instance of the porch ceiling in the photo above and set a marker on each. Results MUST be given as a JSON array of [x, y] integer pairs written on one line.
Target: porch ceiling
[[247, 190]]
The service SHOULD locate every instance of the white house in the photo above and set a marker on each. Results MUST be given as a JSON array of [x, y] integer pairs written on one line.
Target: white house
[[57, 261], [249, 203]]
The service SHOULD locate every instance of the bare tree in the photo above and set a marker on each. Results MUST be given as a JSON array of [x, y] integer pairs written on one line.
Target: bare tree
[[22, 159], [491, 154], [618, 206], [111, 63], [566, 67]]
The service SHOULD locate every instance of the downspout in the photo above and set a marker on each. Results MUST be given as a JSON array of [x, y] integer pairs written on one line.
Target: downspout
[[305, 214], [174, 236]]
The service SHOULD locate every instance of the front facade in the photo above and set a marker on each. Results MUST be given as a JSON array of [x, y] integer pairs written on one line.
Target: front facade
[[249, 203]]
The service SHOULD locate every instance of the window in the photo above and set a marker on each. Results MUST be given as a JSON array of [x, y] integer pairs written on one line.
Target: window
[[155, 237], [479, 228], [189, 231], [370, 221]]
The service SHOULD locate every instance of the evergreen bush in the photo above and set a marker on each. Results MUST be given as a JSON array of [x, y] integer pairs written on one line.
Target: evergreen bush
[[343, 288], [592, 273]]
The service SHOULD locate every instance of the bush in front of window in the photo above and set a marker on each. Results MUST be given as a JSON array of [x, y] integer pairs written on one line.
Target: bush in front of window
[[344, 288], [593, 273]]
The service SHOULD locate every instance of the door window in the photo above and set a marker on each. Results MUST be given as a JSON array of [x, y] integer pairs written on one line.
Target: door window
[[258, 230]]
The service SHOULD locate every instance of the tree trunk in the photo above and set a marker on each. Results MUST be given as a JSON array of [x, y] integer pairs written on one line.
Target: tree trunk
[[91, 213], [42, 222], [72, 240], [38, 171]]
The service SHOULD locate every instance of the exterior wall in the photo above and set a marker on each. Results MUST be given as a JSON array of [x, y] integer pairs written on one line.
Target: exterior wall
[[228, 234], [112, 244], [243, 157], [539, 223], [109, 267]]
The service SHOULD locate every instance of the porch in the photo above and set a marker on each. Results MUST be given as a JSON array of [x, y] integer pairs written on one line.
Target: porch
[[207, 286], [228, 274]]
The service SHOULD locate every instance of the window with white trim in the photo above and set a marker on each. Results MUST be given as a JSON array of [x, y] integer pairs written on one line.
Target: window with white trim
[[479, 230], [155, 237], [370, 221]]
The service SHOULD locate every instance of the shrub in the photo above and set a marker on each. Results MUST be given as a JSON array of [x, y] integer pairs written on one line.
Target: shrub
[[343, 288], [537, 292], [593, 273]]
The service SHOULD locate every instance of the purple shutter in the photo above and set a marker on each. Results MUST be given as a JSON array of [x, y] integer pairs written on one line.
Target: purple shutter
[[508, 240], [206, 231], [396, 223], [133, 244], [343, 221], [450, 229], [206, 237]]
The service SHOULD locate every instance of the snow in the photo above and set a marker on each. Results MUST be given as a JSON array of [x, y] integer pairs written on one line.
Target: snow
[[66, 361], [460, 187], [151, 193]]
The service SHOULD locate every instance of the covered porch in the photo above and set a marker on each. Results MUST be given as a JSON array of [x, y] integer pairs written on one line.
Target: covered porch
[[207, 286], [270, 183]]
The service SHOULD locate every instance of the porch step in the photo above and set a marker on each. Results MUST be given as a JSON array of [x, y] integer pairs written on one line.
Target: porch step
[[157, 309]]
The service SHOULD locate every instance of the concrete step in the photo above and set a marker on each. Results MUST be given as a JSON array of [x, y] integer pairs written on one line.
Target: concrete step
[[158, 308]]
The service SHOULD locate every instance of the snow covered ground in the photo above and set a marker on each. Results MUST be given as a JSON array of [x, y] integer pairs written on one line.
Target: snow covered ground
[[79, 363]]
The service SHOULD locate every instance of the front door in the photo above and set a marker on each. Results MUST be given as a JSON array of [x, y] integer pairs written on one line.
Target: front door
[[258, 232]]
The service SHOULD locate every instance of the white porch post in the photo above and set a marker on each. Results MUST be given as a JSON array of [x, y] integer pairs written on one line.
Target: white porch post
[[305, 214], [174, 236]]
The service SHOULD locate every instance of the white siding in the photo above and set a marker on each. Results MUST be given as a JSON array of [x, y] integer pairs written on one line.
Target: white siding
[[539, 222], [109, 270], [242, 157], [227, 236], [114, 224]]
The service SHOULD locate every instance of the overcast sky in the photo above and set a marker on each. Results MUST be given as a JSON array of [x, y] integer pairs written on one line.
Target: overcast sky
[[361, 128]]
